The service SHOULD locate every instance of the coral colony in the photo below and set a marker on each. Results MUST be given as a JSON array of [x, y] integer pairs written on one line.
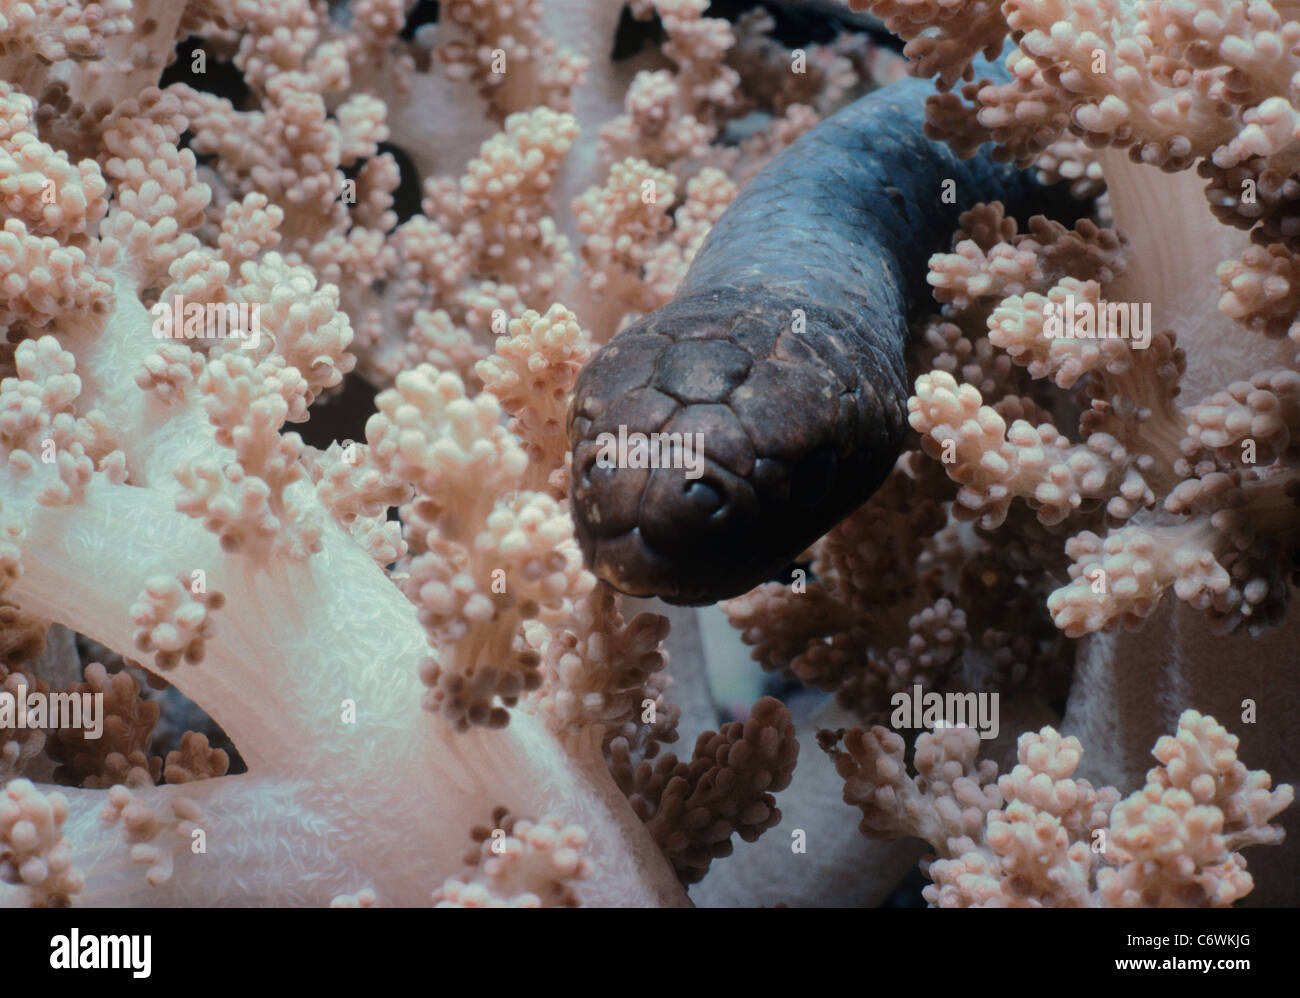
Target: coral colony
[[370, 668]]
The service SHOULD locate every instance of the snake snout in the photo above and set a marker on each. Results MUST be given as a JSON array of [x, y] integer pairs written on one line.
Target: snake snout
[[657, 514]]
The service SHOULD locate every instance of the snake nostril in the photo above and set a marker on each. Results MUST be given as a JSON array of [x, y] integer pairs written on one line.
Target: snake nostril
[[704, 498], [696, 520]]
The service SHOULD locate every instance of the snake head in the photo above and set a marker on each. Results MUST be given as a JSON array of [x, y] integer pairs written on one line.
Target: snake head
[[711, 447], [781, 358]]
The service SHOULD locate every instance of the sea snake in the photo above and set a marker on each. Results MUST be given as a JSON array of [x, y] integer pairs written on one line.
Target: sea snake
[[784, 347]]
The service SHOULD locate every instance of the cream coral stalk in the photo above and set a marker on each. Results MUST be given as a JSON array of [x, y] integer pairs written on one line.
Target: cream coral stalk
[[276, 676], [309, 651], [266, 579]]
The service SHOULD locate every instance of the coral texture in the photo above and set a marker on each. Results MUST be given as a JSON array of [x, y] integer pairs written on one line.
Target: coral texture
[[357, 661], [192, 272], [1038, 838]]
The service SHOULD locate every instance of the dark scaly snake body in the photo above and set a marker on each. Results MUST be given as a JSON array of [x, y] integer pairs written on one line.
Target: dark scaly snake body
[[801, 421]]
